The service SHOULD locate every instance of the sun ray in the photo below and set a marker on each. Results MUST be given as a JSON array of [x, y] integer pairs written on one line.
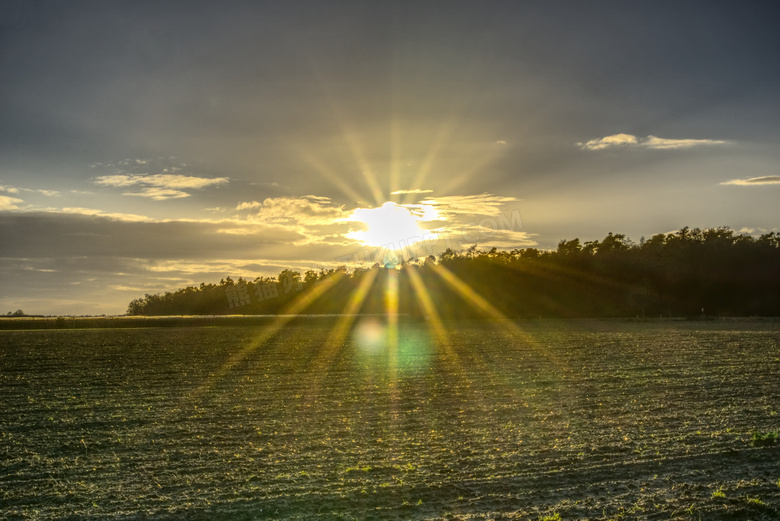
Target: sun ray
[[471, 296], [348, 135], [395, 154], [445, 130], [482, 305], [331, 176], [573, 275], [391, 308], [368, 175], [453, 182], [441, 338], [395, 126], [338, 335], [486, 366], [281, 320], [424, 298], [355, 301]]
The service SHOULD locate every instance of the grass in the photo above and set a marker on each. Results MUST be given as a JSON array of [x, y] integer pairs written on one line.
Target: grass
[[719, 494], [755, 501], [555, 517], [364, 468], [764, 439]]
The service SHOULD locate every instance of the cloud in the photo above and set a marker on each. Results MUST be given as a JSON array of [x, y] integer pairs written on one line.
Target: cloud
[[661, 143], [455, 222], [308, 210], [39, 270], [415, 191], [158, 194], [765, 180], [609, 141], [100, 213], [173, 181], [9, 203], [485, 219], [650, 142], [484, 204], [47, 193], [15, 190], [135, 289], [251, 205], [159, 187], [101, 259], [81, 232]]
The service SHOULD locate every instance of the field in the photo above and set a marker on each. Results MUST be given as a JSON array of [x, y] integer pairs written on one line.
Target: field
[[527, 420]]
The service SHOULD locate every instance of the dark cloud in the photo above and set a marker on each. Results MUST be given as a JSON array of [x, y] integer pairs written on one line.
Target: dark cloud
[[355, 100], [31, 235]]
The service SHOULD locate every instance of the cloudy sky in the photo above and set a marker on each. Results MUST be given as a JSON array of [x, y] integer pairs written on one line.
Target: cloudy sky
[[145, 146]]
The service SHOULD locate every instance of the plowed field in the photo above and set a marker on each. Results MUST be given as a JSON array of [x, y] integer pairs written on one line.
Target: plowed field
[[580, 419]]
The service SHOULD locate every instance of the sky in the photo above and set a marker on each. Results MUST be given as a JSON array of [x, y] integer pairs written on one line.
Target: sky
[[147, 146]]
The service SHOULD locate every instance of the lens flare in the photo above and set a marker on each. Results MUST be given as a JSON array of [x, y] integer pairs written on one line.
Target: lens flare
[[370, 334]]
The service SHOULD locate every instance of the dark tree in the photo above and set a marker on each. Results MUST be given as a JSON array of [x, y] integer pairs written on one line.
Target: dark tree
[[690, 272]]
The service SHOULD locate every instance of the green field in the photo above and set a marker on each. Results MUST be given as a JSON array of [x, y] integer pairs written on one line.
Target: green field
[[524, 420]]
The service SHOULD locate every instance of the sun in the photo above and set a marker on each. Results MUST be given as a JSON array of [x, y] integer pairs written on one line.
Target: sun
[[391, 226]]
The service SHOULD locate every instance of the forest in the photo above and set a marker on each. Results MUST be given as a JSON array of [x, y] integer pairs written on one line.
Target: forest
[[688, 273]]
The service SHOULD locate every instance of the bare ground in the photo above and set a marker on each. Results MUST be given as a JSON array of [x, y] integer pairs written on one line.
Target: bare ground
[[583, 419]]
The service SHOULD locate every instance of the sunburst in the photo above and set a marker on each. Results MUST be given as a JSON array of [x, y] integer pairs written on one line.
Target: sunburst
[[391, 225]]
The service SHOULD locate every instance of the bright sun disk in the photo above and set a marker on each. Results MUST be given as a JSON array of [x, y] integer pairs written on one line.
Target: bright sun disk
[[391, 225]]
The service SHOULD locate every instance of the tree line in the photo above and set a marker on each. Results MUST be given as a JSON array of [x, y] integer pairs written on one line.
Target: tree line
[[690, 273]]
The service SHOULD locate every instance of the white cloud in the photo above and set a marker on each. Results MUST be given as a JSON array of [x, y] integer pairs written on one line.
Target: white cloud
[[39, 270], [484, 204], [160, 187], [250, 205], [661, 143], [135, 289], [609, 141], [650, 142], [158, 194], [160, 180], [765, 180], [100, 213], [415, 191], [15, 190], [47, 193], [306, 210], [9, 203], [118, 180]]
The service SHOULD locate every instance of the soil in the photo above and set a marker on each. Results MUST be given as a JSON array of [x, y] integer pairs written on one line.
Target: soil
[[525, 420]]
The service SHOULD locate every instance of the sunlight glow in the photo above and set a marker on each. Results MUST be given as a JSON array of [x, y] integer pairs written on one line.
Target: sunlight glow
[[392, 225]]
